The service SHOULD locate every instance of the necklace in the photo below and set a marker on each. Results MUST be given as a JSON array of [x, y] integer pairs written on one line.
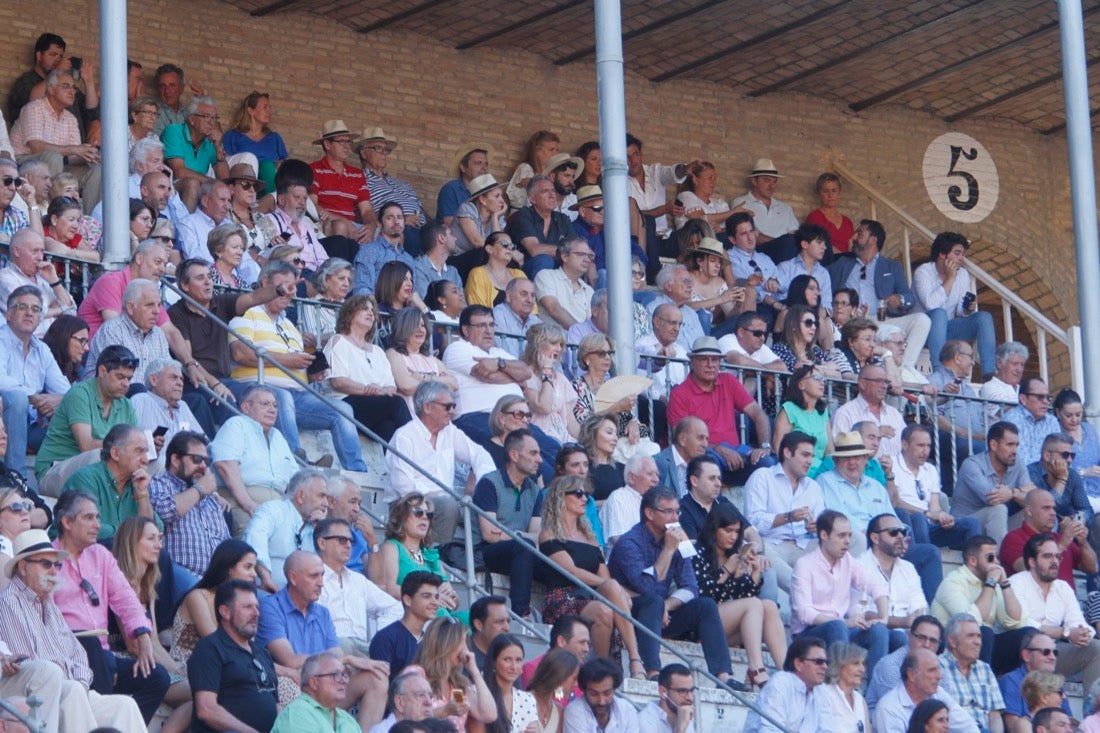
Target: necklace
[[417, 555], [544, 720]]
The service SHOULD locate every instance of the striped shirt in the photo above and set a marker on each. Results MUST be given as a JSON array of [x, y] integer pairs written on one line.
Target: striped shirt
[[385, 188], [147, 347], [14, 220], [36, 628], [190, 539], [39, 121], [339, 192], [278, 336]]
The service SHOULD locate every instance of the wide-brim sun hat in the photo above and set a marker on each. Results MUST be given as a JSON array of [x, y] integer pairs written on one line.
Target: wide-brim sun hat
[[31, 542]]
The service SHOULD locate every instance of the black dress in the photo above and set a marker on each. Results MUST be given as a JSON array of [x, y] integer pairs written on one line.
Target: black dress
[[605, 478]]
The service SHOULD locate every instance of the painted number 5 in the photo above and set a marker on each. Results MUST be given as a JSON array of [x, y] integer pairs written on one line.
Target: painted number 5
[[960, 177], [971, 200]]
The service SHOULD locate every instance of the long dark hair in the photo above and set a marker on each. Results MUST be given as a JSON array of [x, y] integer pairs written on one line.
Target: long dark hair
[[57, 338], [923, 713], [225, 557], [496, 647], [796, 291], [721, 516], [794, 394]]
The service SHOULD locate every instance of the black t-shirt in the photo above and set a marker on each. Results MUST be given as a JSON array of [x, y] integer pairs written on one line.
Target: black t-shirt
[[395, 645], [692, 515], [209, 341], [605, 478], [584, 555], [245, 683]]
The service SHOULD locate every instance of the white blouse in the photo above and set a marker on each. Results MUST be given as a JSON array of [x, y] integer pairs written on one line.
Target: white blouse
[[843, 718], [366, 366]]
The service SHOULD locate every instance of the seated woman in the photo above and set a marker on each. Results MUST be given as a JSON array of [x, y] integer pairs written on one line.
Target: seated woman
[[259, 231], [799, 344], [1070, 412], [458, 689], [805, 290], [478, 217], [1040, 690], [359, 371], [840, 228], [551, 684], [860, 348], [67, 338], [410, 355], [841, 699], [566, 537], [250, 132], [589, 174], [511, 412], [594, 356], [445, 301], [394, 291], [599, 436], [548, 392], [696, 193], [406, 549], [710, 266], [485, 285], [144, 112], [62, 230], [806, 411], [64, 185], [18, 498], [226, 246], [332, 281], [730, 571], [516, 708], [137, 545], [541, 146], [141, 223]]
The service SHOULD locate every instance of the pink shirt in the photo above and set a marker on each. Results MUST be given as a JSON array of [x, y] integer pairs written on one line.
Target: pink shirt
[[819, 587], [97, 565], [106, 294], [39, 122]]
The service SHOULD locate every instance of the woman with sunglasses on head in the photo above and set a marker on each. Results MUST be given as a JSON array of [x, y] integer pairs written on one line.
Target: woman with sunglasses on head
[[548, 391], [799, 347], [458, 688], [806, 411], [730, 570], [406, 549], [566, 537], [486, 284]]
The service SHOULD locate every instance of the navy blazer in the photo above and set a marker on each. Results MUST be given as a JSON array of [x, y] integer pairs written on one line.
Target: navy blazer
[[889, 280]]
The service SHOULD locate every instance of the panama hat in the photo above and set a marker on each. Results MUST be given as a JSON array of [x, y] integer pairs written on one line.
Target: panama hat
[[587, 194], [462, 152], [849, 445], [706, 346], [764, 167], [375, 134], [31, 542], [245, 172], [558, 160], [331, 129], [708, 246], [482, 184]]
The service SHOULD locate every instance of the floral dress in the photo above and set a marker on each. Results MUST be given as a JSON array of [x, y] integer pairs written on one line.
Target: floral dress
[[733, 588]]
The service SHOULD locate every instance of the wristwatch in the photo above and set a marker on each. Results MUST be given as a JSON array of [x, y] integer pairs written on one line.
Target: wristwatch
[[501, 363], [766, 446], [990, 583], [1065, 632]]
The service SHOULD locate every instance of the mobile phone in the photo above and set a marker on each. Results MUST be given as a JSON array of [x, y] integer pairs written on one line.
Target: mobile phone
[[160, 432], [678, 202], [76, 62], [968, 300], [459, 697]]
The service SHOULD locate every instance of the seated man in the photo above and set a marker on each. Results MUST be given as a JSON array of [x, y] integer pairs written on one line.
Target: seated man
[[1050, 605], [718, 398], [437, 244], [160, 409], [12, 218], [469, 161], [600, 709], [921, 675], [119, 481], [324, 690], [1054, 474], [251, 458], [212, 212], [916, 494], [488, 620], [268, 327], [515, 315], [747, 346], [509, 496], [26, 267], [924, 633], [620, 511], [1004, 386], [751, 266], [293, 625], [135, 328], [345, 501], [374, 149], [31, 384], [791, 694], [564, 295], [570, 633], [149, 182], [674, 708], [775, 219], [870, 405], [388, 246], [33, 629], [782, 501], [184, 496], [1040, 517], [232, 675], [339, 189], [967, 677], [1032, 417], [193, 149], [888, 540], [677, 285], [410, 699], [396, 643], [705, 479], [821, 584], [688, 439], [599, 321], [540, 229], [278, 528], [981, 589], [662, 360], [104, 301], [962, 419], [637, 562], [290, 218], [86, 413], [358, 606], [95, 587], [993, 484], [434, 445], [1038, 654], [813, 243]]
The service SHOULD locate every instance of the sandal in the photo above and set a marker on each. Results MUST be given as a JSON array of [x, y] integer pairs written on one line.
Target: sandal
[[637, 669], [757, 677]]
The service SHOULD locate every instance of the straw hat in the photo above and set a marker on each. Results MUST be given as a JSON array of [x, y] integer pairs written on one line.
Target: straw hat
[[374, 134], [764, 167], [706, 346], [587, 194], [849, 445], [32, 542], [708, 246], [465, 150], [616, 389], [331, 129], [482, 184], [560, 159]]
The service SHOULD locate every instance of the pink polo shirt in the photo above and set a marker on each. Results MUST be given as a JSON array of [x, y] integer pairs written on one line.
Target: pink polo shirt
[[106, 294]]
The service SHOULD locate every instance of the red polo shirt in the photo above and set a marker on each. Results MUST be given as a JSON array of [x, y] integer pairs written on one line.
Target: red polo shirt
[[1012, 549], [340, 193], [718, 408]]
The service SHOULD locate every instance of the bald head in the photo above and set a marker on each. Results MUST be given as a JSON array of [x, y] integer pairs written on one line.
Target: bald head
[[299, 561]]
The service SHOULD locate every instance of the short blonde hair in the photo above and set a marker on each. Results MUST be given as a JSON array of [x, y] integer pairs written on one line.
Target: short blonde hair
[[590, 343]]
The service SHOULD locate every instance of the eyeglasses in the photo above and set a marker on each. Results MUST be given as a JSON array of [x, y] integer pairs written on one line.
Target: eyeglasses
[[12, 180], [585, 255], [873, 380], [448, 406], [819, 661], [18, 507], [422, 512], [246, 185], [93, 597], [579, 493], [990, 557], [1044, 397], [816, 376], [483, 324], [597, 209], [757, 333], [341, 675], [206, 117], [24, 307], [378, 149], [1044, 652], [55, 564], [1067, 455], [520, 414], [895, 532], [198, 458], [637, 273], [505, 244], [604, 353], [342, 539], [146, 112], [930, 640], [341, 141], [683, 690], [163, 239], [669, 511], [920, 490], [810, 322]]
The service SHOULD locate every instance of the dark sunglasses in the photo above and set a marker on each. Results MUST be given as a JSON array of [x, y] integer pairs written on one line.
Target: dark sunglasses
[[604, 353], [199, 459], [18, 507], [343, 540], [579, 493], [422, 512], [93, 597], [1044, 652], [1067, 455], [506, 245], [9, 180], [519, 414], [895, 532], [810, 322], [55, 564], [758, 333], [819, 661], [597, 209], [246, 185]]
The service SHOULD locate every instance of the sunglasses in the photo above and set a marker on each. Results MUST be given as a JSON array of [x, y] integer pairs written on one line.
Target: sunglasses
[[990, 557], [12, 180], [579, 493], [810, 322], [819, 661], [920, 490], [55, 564], [604, 353], [895, 532], [506, 245], [198, 459], [247, 185], [342, 539], [757, 333], [597, 209], [1067, 455], [93, 597], [1044, 652], [422, 512], [519, 414], [448, 406], [637, 273], [18, 507]]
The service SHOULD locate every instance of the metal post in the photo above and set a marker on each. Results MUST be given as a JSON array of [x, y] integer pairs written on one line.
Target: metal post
[[612, 102], [1083, 192], [113, 114]]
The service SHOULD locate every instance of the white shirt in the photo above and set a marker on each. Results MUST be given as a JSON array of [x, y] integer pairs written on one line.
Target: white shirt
[[653, 719], [905, 594], [896, 707], [906, 482], [669, 374], [787, 699], [620, 512], [276, 530], [1058, 608], [358, 607], [193, 233], [772, 221], [657, 178], [930, 293], [763, 355], [997, 389], [858, 410], [414, 441], [575, 298], [768, 493], [153, 412], [474, 395], [691, 202], [580, 719], [834, 713]]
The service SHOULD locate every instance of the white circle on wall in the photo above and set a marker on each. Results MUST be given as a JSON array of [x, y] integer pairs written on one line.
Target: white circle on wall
[[961, 177]]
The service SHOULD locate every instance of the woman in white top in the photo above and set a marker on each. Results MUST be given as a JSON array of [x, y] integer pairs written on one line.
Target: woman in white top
[[360, 372], [840, 700], [541, 147], [697, 196], [548, 392], [517, 711], [552, 684]]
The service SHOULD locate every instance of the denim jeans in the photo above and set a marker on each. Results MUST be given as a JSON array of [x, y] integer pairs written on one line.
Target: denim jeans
[[875, 639], [15, 420], [977, 326], [311, 413]]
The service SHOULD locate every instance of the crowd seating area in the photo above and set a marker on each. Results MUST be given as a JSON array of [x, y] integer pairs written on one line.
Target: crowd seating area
[[324, 452]]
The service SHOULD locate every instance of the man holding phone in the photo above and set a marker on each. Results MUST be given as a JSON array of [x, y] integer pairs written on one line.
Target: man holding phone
[[674, 709], [1040, 516]]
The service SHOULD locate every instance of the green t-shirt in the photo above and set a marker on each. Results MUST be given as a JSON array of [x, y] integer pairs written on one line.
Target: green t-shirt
[[97, 480], [306, 714], [177, 144], [81, 404]]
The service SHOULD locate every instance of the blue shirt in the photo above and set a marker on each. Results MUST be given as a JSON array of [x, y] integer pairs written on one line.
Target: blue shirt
[[394, 644], [745, 265], [860, 503], [1014, 701], [359, 547], [269, 147], [632, 560], [35, 373], [963, 413], [1032, 432], [1073, 497], [451, 196], [311, 633], [424, 274], [370, 259]]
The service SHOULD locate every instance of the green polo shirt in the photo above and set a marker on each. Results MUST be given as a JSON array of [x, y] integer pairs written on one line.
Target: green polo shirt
[[97, 480], [177, 144], [306, 714], [81, 404]]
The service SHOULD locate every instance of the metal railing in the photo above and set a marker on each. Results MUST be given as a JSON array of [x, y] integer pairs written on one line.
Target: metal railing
[[470, 510], [1045, 328]]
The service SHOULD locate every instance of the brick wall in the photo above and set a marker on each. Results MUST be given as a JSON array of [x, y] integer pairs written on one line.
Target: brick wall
[[432, 97]]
